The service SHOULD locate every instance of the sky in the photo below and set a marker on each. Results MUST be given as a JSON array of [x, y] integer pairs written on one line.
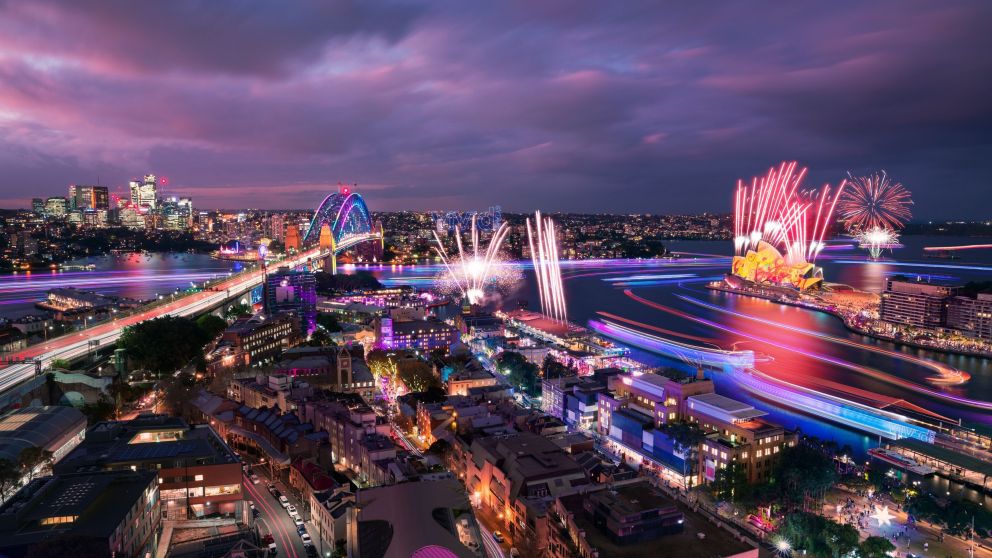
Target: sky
[[559, 105]]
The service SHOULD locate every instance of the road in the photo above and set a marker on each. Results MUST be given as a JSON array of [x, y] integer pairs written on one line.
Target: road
[[79, 343], [274, 519]]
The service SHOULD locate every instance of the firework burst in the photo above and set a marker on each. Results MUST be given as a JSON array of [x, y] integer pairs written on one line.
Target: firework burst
[[471, 273], [876, 240], [874, 202]]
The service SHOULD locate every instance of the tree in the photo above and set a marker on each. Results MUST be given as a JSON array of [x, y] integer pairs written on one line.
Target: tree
[[31, 458], [59, 363], [440, 448], [804, 474], [320, 338], [179, 394], [686, 437], [211, 325], [875, 547], [328, 321], [519, 371], [102, 410], [9, 476], [164, 344], [554, 369], [238, 311], [731, 483], [841, 539]]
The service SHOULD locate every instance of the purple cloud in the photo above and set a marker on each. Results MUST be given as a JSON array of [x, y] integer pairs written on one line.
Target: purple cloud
[[558, 105]]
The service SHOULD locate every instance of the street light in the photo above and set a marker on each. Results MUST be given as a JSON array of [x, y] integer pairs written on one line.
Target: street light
[[783, 546]]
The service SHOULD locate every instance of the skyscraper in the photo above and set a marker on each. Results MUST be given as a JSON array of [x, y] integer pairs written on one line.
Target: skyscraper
[[295, 292], [83, 197], [144, 193]]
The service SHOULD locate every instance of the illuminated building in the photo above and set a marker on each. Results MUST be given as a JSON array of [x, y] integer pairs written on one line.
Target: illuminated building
[[971, 317], [121, 509], [766, 265], [38, 206], [295, 292], [518, 477], [144, 193], [292, 241], [256, 340], [425, 335], [56, 207], [198, 473], [277, 226], [916, 302], [88, 197], [736, 433]]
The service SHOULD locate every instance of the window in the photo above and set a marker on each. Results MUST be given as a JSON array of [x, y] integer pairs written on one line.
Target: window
[[198, 478], [59, 519]]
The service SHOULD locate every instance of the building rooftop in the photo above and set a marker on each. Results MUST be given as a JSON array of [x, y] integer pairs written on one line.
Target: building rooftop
[[730, 408], [38, 427], [97, 501], [155, 438]]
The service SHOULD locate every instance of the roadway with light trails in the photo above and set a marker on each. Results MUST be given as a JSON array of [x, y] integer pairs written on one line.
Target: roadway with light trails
[[80, 343]]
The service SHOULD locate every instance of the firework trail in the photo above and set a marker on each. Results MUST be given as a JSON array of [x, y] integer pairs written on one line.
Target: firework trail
[[874, 202], [546, 267], [471, 273], [775, 209]]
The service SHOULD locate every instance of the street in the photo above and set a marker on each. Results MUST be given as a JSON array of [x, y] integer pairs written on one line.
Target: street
[[274, 519]]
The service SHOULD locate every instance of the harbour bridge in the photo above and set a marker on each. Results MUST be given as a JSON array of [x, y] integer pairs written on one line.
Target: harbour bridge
[[342, 221]]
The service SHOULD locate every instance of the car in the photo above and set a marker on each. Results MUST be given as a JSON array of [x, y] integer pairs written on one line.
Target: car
[[298, 521], [254, 478], [306, 538], [276, 493], [498, 536], [268, 539], [291, 509], [300, 529], [284, 501], [311, 550], [272, 549], [255, 513]]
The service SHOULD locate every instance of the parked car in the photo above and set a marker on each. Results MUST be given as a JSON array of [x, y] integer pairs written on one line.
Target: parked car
[[300, 529], [272, 549], [254, 478], [306, 538], [311, 550], [498, 536], [298, 521], [284, 501], [291, 509]]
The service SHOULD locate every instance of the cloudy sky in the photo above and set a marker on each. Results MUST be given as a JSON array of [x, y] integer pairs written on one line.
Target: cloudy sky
[[551, 104]]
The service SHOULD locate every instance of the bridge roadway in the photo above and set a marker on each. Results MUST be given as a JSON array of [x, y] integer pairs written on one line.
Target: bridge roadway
[[78, 343]]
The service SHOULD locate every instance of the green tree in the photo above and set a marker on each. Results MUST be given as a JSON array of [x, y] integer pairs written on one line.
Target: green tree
[[320, 338], [554, 369], [102, 410], [731, 484], [164, 344], [59, 363], [211, 325], [875, 547], [841, 539], [519, 371], [803, 475], [238, 311]]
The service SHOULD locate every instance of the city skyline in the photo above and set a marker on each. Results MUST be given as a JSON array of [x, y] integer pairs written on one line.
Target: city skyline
[[440, 107]]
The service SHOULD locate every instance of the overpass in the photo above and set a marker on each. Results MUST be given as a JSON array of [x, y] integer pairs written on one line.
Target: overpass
[[80, 343]]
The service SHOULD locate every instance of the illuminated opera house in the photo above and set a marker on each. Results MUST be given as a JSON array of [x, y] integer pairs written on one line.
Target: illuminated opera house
[[767, 266]]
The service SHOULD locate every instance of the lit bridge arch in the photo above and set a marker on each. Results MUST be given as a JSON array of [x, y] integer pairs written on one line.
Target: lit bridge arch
[[342, 221]]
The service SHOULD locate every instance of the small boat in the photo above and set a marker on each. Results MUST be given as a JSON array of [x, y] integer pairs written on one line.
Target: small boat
[[901, 461]]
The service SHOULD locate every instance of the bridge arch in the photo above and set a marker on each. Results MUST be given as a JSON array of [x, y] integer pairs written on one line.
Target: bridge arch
[[344, 212]]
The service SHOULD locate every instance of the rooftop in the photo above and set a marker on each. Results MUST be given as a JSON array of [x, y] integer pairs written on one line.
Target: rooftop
[[734, 409], [38, 427]]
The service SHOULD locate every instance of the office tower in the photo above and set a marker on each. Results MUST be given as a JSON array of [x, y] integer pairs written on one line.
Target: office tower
[[144, 193], [37, 206], [56, 207], [293, 291], [83, 197]]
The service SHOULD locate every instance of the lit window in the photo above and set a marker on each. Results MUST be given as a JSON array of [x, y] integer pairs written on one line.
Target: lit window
[[198, 478]]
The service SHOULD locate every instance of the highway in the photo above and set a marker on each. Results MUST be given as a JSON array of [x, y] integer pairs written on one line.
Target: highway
[[79, 343]]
